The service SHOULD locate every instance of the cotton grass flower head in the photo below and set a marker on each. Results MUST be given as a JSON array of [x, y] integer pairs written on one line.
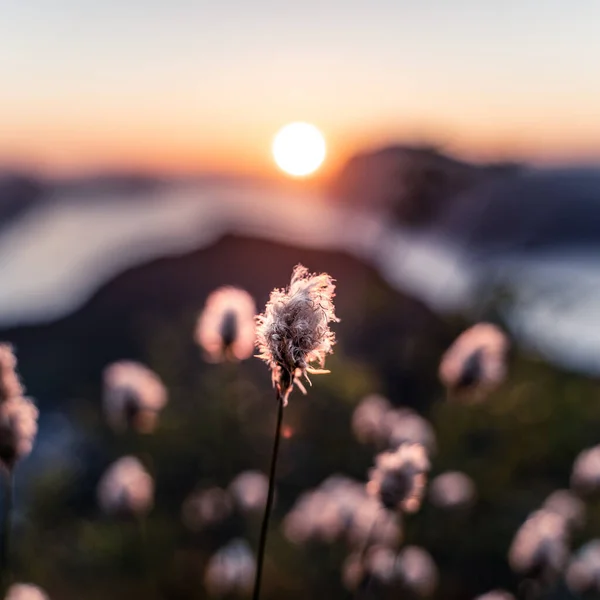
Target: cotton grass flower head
[[10, 385], [380, 564], [476, 363], [206, 508], [226, 327], [315, 517], [249, 491], [293, 334], [18, 428], [25, 591], [339, 509], [230, 571], [496, 595], [539, 548], [399, 477], [126, 489], [405, 426], [452, 490], [567, 505], [18, 415], [363, 518], [373, 524], [585, 475], [583, 573], [375, 569], [133, 396], [417, 571], [368, 419]]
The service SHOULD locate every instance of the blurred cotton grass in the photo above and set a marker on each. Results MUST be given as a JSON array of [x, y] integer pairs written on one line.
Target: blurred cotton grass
[[18, 429], [225, 329], [293, 338], [126, 491], [226, 333], [25, 591], [476, 364], [133, 396]]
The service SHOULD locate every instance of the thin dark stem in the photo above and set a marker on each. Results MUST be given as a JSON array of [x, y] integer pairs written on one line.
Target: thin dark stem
[[6, 524], [265, 522]]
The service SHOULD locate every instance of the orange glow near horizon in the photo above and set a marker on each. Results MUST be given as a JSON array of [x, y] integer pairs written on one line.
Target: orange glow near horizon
[[179, 146]]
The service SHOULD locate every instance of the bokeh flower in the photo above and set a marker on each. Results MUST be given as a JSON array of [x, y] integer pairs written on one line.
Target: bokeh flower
[[583, 573], [368, 419], [10, 385], [249, 491], [380, 563], [25, 591], [404, 425], [452, 490], [315, 517], [126, 488], [496, 595], [476, 363], [567, 505], [417, 571], [539, 548], [399, 477], [293, 334], [374, 569], [340, 508], [206, 508], [18, 428], [585, 475], [226, 327], [412, 572], [133, 396], [18, 415], [230, 571]]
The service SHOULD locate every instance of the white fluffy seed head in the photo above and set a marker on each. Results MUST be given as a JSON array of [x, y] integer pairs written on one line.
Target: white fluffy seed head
[[496, 595], [133, 396], [230, 571], [405, 426], [126, 489], [226, 328], [452, 490], [399, 477], [418, 571], [340, 508], [249, 491], [539, 547], [567, 505], [293, 334], [25, 591], [10, 385], [583, 573], [206, 508], [476, 363], [368, 419], [18, 428], [585, 475]]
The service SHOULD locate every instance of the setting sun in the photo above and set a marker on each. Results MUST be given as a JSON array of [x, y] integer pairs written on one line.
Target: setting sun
[[299, 149]]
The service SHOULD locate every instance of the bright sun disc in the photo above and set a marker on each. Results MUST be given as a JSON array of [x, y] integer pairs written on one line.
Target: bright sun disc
[[299, 149]]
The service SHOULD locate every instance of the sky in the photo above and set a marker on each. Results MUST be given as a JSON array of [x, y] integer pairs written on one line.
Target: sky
[[186, 86]]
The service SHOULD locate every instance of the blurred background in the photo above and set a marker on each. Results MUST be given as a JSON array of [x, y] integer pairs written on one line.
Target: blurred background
[[138, 172]]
